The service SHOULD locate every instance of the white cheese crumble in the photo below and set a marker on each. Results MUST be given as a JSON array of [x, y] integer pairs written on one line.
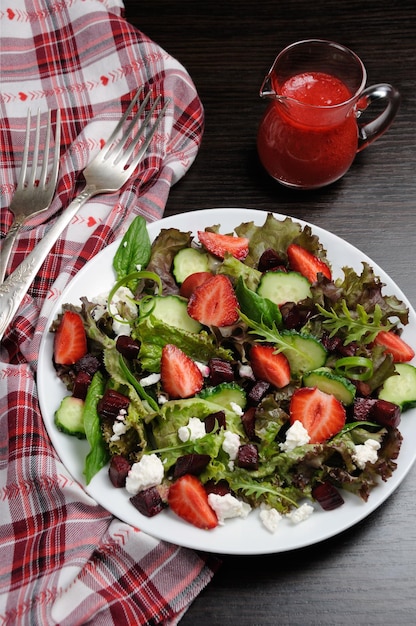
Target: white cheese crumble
[[119, 428], [270, 518], [231, 444], [367, 452], [246, 371], [124, 295], [300, 514], [296, 436], [152, 379], [203, 368], [228, 506], [236, 408], [195, 429], [148, 472]]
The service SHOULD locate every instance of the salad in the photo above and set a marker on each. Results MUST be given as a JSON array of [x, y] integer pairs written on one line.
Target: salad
[[231, 372]]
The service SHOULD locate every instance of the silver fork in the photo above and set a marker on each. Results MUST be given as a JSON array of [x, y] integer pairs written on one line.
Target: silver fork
[[106, 173], [30, 198]]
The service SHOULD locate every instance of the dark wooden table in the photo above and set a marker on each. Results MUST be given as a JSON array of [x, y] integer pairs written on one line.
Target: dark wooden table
[[366, 575]]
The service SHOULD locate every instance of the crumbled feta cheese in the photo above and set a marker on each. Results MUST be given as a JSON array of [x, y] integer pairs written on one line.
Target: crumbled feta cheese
[[148, 472], [270, 518], [367, 452], [296, 436], [236, 408], [228, 506], [123, 294], [119, 428], [300, 514], [195, 429], [231, 444], [246, 371], [152, 379], [204, 369]]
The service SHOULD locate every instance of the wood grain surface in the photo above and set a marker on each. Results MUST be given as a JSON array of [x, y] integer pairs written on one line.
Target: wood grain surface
[[366, 575]]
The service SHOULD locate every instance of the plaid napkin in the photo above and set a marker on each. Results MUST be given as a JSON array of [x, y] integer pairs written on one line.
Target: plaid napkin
[[64, 559]]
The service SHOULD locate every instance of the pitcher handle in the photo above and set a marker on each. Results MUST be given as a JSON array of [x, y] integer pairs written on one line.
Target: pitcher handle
[[370, 131]]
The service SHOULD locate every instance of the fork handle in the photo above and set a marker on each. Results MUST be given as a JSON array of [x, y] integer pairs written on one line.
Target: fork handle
[[7, 245], [14, 288]]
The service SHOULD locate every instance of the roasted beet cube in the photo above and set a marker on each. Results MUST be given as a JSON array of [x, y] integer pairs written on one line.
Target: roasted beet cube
[[220, 371], [328, 496], [248, 420], [380, 411], [258, 391], [215, 420], [88, 363], [270, 260], [190, 464], [149, 502], [112, 402], [127, 346], [248, 456], [118, 470], [221, 488], [81, 384]]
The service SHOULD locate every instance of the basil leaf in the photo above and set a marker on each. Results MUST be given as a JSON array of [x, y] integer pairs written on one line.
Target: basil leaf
[[98, 454], [134, 250], [257, 308]]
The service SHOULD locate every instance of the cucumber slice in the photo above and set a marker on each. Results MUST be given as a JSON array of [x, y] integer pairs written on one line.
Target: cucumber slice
[[225, 395], [401, 387], [171, 310], [281, 287], [329, 382], [188, 261], [304, 352], [69, 418]]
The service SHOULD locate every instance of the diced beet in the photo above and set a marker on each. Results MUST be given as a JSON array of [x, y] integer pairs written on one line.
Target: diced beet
[[248, 420], [214, 419], [190, 464], [81, 384], [248, 456], [328, 496], [112, 402], [221, 488], [118, 470], [88, 363], [258, 391], [149, 502], [270, 260], [127, 346], [375, 410], [220, 371]]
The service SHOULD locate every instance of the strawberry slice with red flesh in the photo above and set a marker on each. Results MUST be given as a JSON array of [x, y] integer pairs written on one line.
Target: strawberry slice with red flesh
[[189, 500], [321, 414], [193, 281], [179, 374], [394, 345], [269, 365], [219, 244], [306, 263], [214, 303], [70, 342]]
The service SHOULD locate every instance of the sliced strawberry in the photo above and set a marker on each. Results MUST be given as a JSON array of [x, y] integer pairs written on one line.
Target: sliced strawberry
[[219, 244], [70, 343], [193, 281], [303, 261], [188, 499], [269, 365], [214, 303], [321, 414], [180, 376], [394, 345]]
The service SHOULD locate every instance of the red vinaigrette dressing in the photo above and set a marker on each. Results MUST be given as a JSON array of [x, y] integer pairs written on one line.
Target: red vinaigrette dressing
[[308, 146]]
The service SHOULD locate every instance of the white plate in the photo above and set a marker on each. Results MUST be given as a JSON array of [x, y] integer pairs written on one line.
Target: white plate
[[237, 536]]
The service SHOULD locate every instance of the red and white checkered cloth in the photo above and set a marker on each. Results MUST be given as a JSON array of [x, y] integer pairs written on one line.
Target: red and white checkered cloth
[[64, 559]]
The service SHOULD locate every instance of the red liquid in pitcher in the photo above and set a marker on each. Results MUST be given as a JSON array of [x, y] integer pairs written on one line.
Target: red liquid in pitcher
[[308, 146]]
